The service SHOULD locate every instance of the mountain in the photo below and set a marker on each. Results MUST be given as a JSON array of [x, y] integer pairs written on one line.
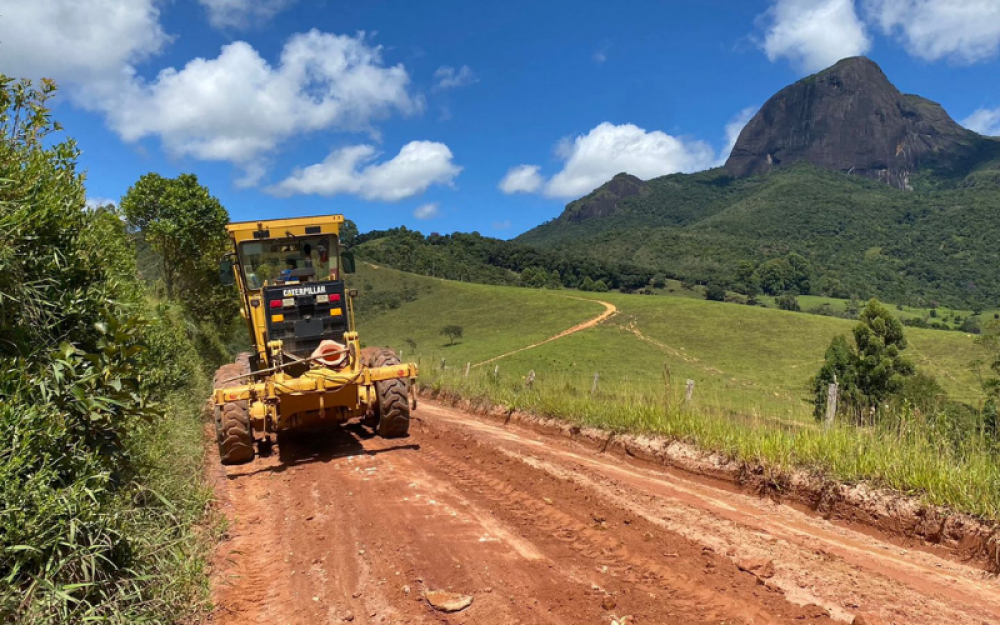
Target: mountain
[[883, 194], [850, 118]]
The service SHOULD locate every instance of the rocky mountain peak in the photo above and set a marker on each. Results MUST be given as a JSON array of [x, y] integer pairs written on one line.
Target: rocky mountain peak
[[849, 117]]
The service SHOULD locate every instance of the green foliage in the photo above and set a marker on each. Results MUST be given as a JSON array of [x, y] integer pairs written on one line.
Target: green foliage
[[715, 293], [857, 235], [91, 383], [185, 226], [452, 332], [871, 371], [788, 302]]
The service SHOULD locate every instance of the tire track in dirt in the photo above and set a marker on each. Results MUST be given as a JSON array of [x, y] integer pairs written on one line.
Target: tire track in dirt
[[343, 527], [609, 311], [844, 570]]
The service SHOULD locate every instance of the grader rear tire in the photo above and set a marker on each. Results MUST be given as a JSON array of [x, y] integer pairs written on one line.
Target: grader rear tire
[[233, 429], [393, 408]]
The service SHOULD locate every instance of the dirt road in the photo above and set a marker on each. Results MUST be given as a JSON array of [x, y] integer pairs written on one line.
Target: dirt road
[[609, 311], [342, 527]]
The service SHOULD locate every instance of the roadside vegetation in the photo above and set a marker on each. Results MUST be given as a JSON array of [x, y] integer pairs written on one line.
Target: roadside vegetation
[[102, 504], [755, 372]]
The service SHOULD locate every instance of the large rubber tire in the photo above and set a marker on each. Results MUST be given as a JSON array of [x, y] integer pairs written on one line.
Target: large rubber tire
[[233, 429], [393, 408]]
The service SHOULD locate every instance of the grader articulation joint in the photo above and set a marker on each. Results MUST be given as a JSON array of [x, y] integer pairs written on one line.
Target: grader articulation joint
[[307, 368]]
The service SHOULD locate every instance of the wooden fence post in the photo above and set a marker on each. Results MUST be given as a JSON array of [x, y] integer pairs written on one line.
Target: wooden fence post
[[689, 392], [442, 364], [832, 395], [467, 365], [593, 389], [496, 372], [531, 378]]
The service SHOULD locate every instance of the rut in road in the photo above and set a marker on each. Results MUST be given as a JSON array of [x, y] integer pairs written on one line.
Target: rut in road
[[540, 529]]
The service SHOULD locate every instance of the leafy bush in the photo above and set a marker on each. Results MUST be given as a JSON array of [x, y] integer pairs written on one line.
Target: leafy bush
[[95, 401]]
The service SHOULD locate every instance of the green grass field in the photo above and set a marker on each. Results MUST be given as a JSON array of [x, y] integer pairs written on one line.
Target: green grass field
[[751, 368], [741, 358]]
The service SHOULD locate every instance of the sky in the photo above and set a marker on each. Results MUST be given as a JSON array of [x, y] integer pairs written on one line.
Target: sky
[[449, 115]]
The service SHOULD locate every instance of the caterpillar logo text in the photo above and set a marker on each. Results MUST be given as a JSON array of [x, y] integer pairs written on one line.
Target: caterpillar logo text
[[308, 290]]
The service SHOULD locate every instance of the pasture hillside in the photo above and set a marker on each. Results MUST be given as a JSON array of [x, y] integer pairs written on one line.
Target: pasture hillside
[[741, 357]]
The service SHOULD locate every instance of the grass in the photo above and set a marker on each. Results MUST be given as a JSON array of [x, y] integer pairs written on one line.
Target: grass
[[913, 456], [751, 368], [740, 357]]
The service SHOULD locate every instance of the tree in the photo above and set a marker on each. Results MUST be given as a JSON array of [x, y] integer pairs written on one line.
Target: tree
[[452, 332], [872, 370], [183, 223], [715, 293], [788, 302]]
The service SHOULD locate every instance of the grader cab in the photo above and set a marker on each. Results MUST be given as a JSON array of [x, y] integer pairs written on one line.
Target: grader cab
[[307, 368]]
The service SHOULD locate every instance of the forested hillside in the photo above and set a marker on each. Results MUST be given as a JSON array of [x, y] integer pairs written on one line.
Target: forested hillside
[[860, 237]]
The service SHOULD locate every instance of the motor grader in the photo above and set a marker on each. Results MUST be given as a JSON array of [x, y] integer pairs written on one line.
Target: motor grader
[[307, 368]]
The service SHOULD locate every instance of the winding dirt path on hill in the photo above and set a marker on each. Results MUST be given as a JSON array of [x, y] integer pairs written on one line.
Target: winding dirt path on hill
[[342, 527], [609, 311]]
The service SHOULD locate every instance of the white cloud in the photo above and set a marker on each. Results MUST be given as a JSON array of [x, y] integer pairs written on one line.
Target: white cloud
[[502, 225], [813, 34], [965, 31], [427, 211], [242, 13], [600, 57], [596, 157], [97, 202], [418, 165], [733, 130], [984, 121], [79, 41], [237, 107], [449, 77], [522, 179]]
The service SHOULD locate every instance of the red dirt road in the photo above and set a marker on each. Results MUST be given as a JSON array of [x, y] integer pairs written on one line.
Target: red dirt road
[[342, 527]]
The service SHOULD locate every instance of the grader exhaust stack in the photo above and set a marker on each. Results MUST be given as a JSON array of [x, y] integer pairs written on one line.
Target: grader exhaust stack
[[307, 368]]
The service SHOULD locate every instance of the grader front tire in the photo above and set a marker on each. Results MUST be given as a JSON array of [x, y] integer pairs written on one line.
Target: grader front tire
[[233, 429], [393, 409]]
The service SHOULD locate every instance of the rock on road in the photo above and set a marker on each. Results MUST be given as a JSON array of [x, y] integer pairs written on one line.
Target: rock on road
[[342, 527]]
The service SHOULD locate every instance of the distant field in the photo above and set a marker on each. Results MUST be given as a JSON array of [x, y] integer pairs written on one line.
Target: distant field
[[742, 358]]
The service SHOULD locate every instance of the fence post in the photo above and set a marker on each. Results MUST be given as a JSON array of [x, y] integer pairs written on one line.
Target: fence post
[[467, 365], [442, 364], [832, 395], [689, 392], [496, 372], [593, 389], [400, 355], [531, 378]]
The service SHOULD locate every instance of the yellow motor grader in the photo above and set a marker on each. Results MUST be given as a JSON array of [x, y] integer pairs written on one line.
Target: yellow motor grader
[[307, 368]]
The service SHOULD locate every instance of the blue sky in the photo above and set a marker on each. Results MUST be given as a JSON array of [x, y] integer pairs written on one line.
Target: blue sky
[[456, 115]]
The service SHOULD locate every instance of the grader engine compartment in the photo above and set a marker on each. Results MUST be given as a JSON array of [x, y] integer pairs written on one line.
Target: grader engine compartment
[[308, 368], [303, 316]]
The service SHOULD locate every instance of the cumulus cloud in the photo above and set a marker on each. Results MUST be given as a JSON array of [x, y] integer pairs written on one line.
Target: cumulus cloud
[[79, 41], [427, 211], [522, 179], [449, 77], [813, 34], [984, 121], [964, 31], [594, 158], [352, 170], [242, 13], [237, 107], [733, 130]]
